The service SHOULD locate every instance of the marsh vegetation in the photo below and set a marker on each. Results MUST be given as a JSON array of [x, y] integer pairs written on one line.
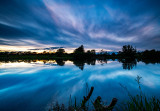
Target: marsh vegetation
[[139, 102]]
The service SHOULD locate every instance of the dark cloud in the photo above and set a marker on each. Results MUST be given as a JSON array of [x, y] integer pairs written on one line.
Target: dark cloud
[[49, 48], [94, 23]]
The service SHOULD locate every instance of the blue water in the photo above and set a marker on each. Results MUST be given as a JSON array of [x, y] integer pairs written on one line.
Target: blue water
[[35, 86]]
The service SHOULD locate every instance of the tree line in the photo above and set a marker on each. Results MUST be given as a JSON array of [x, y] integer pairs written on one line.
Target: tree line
[[128, 52]]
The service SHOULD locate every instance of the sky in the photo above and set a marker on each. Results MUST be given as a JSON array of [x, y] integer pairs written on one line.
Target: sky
[[97, 24]]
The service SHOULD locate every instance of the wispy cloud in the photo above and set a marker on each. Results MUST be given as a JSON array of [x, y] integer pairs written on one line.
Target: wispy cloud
[[105, 35], [95, 24], [64, 15], [21, 44]]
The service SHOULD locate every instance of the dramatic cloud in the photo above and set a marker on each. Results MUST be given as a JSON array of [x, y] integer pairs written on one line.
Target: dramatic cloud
[[93, 23]]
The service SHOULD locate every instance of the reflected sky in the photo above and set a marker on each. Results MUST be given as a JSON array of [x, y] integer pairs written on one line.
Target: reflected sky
[[33, 86]]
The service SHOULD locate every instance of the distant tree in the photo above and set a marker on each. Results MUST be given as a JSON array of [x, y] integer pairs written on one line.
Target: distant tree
[[93, 51], [44, 52], [60, 51], [79, 49], [151, 54], [120, 52], [128, 51], [88, 52], [34, 53], [113, 54]]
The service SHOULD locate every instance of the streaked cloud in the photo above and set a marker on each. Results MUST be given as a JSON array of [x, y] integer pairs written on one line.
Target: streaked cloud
[[21, 44], [95, 24]]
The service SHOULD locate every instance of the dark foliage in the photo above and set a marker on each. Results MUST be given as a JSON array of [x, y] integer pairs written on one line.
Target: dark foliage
[[128, 56]]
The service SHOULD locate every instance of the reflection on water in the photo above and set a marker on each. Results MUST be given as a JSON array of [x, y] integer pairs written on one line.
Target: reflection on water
[[79, 63], [128, 64], [32, 85]]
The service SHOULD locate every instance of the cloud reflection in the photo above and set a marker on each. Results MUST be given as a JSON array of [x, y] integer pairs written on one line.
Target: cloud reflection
[[52, 82]]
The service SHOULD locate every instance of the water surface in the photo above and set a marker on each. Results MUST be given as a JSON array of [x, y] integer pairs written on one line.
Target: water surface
[[34, 85]]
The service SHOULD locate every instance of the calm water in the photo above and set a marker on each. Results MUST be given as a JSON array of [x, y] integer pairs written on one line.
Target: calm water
[[33, 86]]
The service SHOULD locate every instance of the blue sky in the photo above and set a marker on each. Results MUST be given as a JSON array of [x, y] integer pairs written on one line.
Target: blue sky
[[97, 24]]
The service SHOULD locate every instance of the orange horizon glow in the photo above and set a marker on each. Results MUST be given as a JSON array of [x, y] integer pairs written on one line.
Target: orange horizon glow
[[4, 48]]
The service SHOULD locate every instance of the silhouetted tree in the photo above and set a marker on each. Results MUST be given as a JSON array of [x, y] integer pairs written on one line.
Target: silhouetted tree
[[79, 53], [79, 49], [128, 51], [93, 52], [150, 56], [88, 52], [60, 51], [113, 54], [44, 52]]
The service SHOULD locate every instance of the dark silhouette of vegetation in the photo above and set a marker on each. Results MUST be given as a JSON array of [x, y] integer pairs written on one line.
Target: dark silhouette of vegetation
[[128, 51], [60, 52], [100, 107], [79, 64], [80, 54], [149, 56], [140, 102], [60, 62], [97, 104], [128, 56], [79, 50], [85, 99], [128, 63]]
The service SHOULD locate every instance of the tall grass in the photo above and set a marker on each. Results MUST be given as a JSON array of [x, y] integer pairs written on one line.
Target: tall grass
[[140, 102], [85, 105]]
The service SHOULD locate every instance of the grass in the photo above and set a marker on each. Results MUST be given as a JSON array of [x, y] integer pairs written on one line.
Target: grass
[[140, 102], [97, 105]]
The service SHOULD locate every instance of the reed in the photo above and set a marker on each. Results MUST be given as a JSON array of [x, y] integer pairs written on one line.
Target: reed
[[140, 102], [97, 104]]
